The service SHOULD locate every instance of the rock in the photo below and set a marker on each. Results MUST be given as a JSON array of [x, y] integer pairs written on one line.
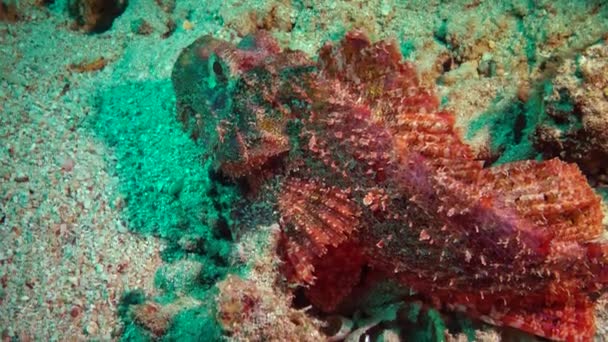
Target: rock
[[141, 27], [96, 16], [22, 178], [8, 11]]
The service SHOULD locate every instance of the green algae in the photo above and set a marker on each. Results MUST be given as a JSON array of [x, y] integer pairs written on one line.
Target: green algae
[[441, 34], [511, 125], [164, 180], [407, 48], [392, 306], [196, 324], [428, 326], [604, 193], [132, 332], [432, 327], [163, 176]]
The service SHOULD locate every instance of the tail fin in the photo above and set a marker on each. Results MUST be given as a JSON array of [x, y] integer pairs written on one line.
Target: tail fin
[[552, 194]]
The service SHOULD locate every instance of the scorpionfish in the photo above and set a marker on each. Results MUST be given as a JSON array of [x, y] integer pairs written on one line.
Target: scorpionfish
[[365, 170]]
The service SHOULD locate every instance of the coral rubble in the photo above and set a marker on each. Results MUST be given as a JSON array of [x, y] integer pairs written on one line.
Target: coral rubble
[[576, 125], [368, 172], [257, 308]]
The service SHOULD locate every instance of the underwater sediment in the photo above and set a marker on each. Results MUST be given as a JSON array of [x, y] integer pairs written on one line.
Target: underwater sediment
[[302, 171]]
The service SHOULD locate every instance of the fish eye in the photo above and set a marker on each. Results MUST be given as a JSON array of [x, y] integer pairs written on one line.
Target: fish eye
[[216, 75], [217, 69]]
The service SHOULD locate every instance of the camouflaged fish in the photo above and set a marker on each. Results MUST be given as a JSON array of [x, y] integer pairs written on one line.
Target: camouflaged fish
[[365, 170]]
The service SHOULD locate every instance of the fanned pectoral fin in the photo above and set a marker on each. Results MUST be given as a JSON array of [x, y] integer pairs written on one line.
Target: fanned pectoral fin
[[318, 223], [314, 217]]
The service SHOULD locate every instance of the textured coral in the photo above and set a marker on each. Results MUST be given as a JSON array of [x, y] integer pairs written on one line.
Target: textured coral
[[152, 317], [371, 174], [157, 318], [271, 317], [244, 310], [576, 126]]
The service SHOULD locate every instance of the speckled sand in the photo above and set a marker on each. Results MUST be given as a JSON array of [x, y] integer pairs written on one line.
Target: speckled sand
[[66, 252]]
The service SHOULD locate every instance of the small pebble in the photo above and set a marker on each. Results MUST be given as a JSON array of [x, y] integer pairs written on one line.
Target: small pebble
[[75, 311], [176, 187], [21, 178], [187, 25], [73, 280], [92, 328], [68, 165]]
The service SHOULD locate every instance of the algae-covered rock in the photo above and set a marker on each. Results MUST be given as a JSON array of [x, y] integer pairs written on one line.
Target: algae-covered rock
[[8, 11], [576, 124], [96, 16]]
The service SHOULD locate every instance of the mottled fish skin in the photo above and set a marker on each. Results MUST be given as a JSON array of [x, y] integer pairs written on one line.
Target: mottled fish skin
[[372, 173]]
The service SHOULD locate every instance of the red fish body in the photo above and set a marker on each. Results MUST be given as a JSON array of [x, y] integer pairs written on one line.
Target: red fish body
[[372, 174]]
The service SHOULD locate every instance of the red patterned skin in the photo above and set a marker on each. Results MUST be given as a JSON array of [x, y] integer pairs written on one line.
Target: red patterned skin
[[372, 174]]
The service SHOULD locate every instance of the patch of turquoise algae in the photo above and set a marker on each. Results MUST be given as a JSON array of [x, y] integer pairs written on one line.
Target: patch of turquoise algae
[[166, 190]]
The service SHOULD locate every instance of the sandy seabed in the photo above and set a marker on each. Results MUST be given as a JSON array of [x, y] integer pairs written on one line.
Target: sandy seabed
[[66, 251]]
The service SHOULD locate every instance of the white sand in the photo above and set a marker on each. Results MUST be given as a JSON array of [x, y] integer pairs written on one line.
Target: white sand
[[65, 254]]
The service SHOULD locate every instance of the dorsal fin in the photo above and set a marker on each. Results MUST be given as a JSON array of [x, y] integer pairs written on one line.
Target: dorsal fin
[[435, 138], [377, 73]]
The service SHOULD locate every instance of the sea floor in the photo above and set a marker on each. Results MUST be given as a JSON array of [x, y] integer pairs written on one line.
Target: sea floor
[[91, 153]]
